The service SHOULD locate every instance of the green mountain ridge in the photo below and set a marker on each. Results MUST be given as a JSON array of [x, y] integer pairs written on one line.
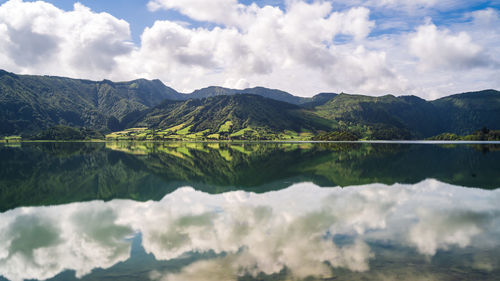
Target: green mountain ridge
[[459, 113], [227, 115], [403, 117], [260, 91], [410, 117], [30, 104]]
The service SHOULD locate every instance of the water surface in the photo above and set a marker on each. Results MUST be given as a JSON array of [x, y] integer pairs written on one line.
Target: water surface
[[249, 211]]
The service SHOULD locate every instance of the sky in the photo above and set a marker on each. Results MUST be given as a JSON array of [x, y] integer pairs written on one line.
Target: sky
[[428, 48]]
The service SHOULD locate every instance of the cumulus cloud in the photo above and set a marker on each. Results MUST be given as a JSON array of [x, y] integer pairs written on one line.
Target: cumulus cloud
[[261, 44], [39, 38], [462, 57], [253, 44], [303, 47], [439, 48]]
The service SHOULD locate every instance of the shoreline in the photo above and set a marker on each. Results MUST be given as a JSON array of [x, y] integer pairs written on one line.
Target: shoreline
[[258, 141]]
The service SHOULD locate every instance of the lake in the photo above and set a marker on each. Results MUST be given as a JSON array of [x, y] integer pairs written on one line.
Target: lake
[[249, 211]]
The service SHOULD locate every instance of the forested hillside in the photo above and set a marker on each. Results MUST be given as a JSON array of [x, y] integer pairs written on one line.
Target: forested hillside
[[34, 106]]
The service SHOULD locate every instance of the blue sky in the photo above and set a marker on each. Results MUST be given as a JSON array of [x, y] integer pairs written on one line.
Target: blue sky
[[428, 48]]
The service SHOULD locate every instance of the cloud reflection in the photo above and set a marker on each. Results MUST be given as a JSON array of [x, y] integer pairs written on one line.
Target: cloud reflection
[[304, 230]]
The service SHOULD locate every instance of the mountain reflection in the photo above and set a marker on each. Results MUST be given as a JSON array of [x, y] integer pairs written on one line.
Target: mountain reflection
[[303, 231], [57, 173]]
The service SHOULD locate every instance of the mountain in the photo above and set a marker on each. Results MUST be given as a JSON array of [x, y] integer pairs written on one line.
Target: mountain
[[30, 103], [318, 100], [386, 117], [229, 116], [410, 117], [464, 113]]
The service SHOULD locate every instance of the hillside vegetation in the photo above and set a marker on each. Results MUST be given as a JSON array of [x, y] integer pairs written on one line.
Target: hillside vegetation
[[484, 134], [229, 117], [147, 109], [29, 104], [410, 117]]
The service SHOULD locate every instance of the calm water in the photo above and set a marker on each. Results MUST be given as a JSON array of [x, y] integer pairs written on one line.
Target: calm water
[[263, 211]]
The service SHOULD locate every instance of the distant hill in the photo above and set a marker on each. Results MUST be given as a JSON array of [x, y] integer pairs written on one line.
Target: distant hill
[[318, 100], [31, 104], [261, 91]]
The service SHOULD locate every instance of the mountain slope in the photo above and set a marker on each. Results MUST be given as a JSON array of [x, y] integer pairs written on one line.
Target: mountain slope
[[227, 115], [367, 116], [410, 117], [464, 113], [31, 103], [279, 95]]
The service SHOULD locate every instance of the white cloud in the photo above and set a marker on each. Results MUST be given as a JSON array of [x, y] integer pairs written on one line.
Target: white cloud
[[39, 38], [304, 48], [264, 46], [409, 6], [236, 84], [439, 48], [460, 58], [488, 17], [218, 11]]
